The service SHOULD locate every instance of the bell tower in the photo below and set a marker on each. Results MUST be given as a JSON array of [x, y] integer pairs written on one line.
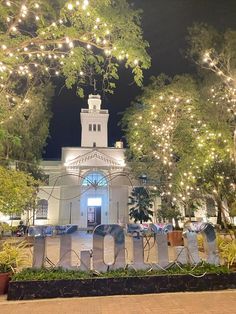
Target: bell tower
[[94, 122]]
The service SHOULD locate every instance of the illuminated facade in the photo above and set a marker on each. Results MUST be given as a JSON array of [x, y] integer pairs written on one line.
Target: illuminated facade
[[90, 184]]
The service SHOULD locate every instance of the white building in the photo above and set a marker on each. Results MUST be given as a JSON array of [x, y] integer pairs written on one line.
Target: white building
[[90, 184]]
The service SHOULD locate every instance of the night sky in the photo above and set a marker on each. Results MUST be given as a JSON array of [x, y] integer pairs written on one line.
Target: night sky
[[165, 24]]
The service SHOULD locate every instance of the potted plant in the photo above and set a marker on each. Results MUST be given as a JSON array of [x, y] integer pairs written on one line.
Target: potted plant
[[12, 257]]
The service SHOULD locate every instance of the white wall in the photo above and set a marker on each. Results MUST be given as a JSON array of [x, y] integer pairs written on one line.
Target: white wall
[[119, 204], [90, 137], [53, 196]]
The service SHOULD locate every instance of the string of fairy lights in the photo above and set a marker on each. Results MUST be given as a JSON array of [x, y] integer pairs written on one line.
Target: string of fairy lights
[[163, 148], [45, 50], [218, 67], [223, 71]]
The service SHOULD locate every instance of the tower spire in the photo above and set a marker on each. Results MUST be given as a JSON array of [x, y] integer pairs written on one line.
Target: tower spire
[[94, 123]]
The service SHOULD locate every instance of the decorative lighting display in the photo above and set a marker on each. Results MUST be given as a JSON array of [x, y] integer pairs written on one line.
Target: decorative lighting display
[[159, 122], [227, 93], [34, 45]]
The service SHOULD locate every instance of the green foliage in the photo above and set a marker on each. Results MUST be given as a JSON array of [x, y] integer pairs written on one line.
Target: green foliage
[[141, 202], [233, 209], [165, 134], [82, 42], [183, 142], [227, 249], [50, 274], [18, 191], [24, 137], [214, 54], [220, 45], [4, 227], [202, 37], [59, 273], [168, 211], [40, 41], [12, 256]]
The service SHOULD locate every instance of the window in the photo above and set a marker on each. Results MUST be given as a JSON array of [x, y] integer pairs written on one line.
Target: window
[[94, 179], [42, 209], [94, 127]]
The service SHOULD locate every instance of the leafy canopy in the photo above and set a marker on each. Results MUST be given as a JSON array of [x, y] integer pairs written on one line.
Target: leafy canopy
[[141, 202], [18, 191], [178, 145], [80, 40]]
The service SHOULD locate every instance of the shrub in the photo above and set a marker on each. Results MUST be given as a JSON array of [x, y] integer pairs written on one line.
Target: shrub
[[30, 274], [13, 256], [227, 249]]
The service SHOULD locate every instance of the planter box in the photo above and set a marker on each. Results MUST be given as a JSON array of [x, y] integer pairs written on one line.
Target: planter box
[[29, 290], [175, 238], [4, 279]]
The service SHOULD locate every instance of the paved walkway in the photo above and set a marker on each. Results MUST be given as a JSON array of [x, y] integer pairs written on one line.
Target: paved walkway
[[220, 302]]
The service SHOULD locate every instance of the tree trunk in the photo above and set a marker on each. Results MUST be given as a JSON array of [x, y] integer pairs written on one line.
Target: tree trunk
[[188, 210], [235, 146], [176, 223], [221, 219]]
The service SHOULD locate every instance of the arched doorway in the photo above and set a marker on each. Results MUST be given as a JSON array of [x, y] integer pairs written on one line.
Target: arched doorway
[[94, 202]]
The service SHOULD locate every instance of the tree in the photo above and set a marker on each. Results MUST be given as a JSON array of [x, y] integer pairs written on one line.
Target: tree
[[80, 40], [24, 137], [168, 212], [180, 143], [186, 137], [18, 191], [214, 52], [141, 202], [168, 114]]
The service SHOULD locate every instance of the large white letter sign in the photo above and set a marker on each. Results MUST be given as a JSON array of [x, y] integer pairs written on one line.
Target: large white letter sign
[[161, 246], [99, 233], [65, 251], [210, 244], [190, 242], [39, 252], [209, 241]]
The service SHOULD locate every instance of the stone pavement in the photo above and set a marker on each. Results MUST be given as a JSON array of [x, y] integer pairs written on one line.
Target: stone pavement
[[219, 302]]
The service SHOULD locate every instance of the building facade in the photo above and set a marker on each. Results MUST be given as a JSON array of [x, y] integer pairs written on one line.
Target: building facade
[[90, 184]]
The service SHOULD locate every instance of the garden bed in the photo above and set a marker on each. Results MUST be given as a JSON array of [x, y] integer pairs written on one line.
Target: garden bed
[[112, 284]]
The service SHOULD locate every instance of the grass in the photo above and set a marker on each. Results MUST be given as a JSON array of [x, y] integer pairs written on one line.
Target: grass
[[31, 274]]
